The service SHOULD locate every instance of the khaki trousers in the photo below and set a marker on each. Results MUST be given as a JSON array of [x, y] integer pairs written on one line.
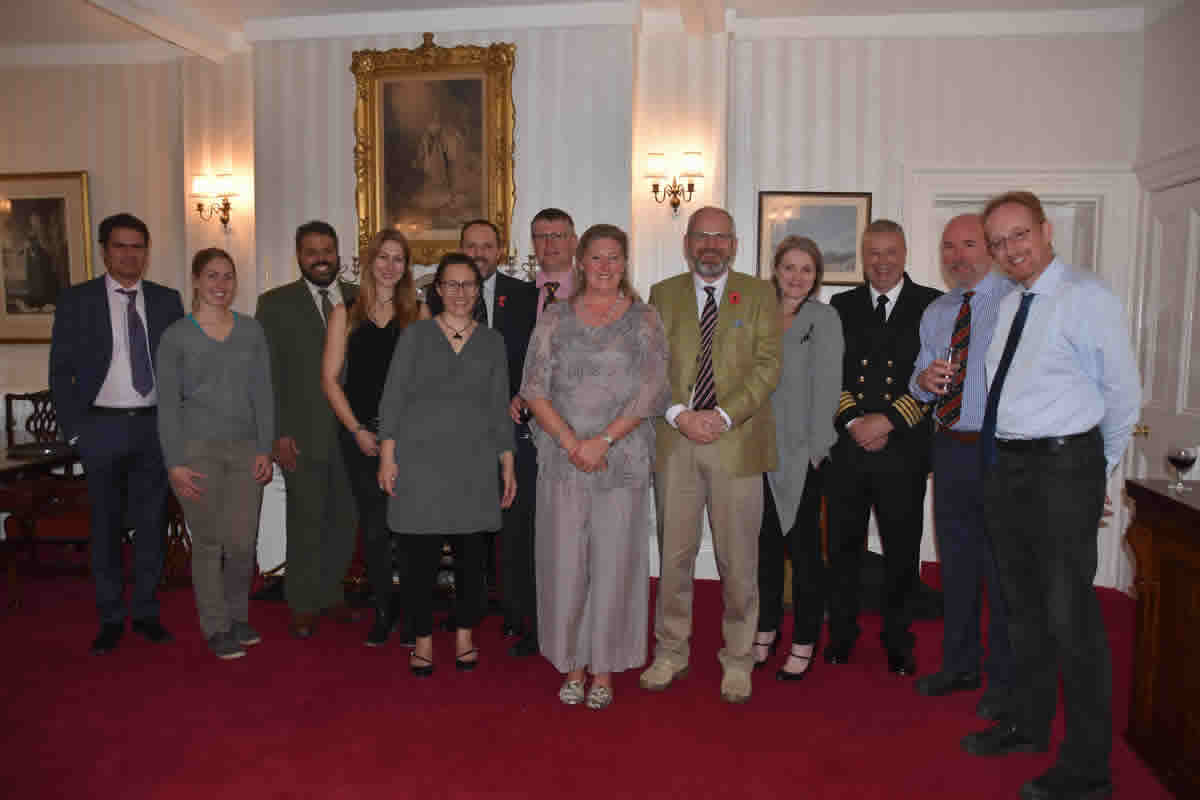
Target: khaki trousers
[[691, 479]]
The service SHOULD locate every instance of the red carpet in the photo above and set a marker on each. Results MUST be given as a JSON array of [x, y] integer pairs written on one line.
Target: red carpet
[[330, 718]]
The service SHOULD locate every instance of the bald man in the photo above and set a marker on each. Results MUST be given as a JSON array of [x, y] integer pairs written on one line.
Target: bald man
[[963, 319]]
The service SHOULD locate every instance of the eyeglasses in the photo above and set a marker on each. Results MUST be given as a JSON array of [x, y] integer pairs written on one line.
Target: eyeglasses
[[553, 236], [459, 286], [707, 236], [1002, 242]]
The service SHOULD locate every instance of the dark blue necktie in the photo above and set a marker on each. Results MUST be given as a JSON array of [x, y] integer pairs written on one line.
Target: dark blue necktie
[[987, 433], [139, 351]]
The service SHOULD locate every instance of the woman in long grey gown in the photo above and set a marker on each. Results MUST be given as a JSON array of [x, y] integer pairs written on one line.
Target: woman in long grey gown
[[596, 371]]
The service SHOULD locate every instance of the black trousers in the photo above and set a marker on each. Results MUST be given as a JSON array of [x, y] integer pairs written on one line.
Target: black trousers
[[1044, 502], [519, 587], [803, 545], [363, 472], [423, 554], [892, 482], [127, 488]]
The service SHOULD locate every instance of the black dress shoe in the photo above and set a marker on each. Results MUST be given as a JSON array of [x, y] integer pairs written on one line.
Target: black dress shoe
[[992, 706], [901, 662], [942, 683], [783, 675], [153, 630], [1059, 784], [1000, 740], [106, 641], [839, 653], [770, 648], [420, 666], [511, 630], [526, 646], [464, 664], [381, 630]]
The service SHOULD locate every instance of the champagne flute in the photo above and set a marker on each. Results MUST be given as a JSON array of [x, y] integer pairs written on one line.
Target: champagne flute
[[953, 356], [1181, 457]]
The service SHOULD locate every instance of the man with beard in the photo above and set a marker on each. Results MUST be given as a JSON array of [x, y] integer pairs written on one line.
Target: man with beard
[[881, 458], [1063, 396], [714, 442], [320, 509], [509, 306], [962, 321]]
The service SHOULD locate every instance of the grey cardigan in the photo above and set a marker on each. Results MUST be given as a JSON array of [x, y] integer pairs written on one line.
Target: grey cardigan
[[805, 402]]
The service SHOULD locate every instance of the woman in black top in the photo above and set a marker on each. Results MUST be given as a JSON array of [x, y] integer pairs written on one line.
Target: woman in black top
[[361, 338]]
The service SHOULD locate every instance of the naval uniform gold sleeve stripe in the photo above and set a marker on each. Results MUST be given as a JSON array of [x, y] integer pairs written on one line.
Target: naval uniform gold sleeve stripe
[[909, 409], [846, 403]]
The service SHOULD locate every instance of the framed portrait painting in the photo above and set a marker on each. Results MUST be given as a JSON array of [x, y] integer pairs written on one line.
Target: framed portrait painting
[[433, 143], [834, 220], [45, 246]]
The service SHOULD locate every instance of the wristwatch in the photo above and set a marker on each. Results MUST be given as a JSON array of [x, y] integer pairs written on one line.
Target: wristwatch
[[608, 439]]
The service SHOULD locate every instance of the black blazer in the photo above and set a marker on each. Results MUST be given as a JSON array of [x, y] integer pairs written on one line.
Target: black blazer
[[81, 344], [514, 315], [879, 360]]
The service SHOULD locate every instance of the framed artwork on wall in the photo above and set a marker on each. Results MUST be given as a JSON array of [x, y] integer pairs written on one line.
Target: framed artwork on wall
[[433, 147], [45, 246], [834, 220]]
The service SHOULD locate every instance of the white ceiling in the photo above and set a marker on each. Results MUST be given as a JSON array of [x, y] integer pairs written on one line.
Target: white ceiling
[[58, 22]]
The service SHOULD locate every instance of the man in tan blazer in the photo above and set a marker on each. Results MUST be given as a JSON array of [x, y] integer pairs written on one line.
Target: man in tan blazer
[[714, 443]]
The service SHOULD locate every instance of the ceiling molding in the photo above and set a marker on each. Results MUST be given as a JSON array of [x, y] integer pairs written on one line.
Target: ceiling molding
[[563, 15], [58, 55], [948, 25], [178, 24]]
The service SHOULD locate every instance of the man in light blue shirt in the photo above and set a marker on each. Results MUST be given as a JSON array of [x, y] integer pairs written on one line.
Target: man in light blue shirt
[[963, 320], [1063, 397]]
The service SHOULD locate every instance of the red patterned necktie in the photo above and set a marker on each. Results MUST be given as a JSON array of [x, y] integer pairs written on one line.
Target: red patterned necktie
[[950, 408]]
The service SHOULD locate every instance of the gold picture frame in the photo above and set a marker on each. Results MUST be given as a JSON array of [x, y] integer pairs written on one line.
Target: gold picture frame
[[836, 221], [433, 148], [45, 246]]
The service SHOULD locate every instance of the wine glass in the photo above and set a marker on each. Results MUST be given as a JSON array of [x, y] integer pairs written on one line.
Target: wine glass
[[953, 356], [1181, 457]]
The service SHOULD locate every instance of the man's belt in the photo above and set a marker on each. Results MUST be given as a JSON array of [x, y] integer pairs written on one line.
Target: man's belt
[[966, 437], [109, 411], [1046, 445]]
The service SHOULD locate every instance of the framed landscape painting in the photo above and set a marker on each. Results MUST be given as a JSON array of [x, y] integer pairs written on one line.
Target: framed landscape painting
[[45, 246], [433, 143], [834, 220]]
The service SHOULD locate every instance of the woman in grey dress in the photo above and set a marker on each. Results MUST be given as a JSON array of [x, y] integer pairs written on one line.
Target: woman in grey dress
[[804, 404], [443, 426], [596, 371]]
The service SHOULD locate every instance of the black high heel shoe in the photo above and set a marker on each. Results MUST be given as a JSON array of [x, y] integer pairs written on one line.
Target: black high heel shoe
[[783, 675], [420, 670], [770, 649]]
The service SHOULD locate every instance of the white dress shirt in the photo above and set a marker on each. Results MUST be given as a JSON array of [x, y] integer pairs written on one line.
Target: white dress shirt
[[117, 390], [699, 285], [335, 294], [488, 290], [893, 295]]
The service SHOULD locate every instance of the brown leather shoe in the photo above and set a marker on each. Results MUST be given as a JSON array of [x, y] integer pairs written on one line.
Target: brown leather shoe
[[303, 624], [343, 613]]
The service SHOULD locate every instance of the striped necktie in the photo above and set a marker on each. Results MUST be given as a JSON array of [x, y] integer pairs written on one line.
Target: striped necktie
[[705, 396], [950, 409]]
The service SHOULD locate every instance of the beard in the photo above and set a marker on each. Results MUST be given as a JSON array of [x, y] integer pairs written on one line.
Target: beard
[[709, 269], [312, 275]]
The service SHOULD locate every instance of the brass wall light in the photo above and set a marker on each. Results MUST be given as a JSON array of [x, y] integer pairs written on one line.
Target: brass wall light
[[220, 187], [656, 168]]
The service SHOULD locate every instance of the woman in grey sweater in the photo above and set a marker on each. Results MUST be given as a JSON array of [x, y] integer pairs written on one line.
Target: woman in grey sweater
[[804, 404], [216, 420]]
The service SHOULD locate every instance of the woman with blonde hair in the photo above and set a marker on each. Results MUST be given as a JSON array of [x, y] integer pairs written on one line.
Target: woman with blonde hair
[[359, 341]]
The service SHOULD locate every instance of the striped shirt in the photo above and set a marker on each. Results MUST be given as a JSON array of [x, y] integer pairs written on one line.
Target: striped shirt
[[937, 325]]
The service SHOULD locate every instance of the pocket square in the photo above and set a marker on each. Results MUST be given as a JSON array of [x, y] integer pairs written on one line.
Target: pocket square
[[737, 323]]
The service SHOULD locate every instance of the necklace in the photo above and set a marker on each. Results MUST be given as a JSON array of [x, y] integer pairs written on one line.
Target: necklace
[[456, 333]]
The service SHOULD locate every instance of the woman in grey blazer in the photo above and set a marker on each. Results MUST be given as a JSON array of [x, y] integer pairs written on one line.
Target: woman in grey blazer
[[804, 404]]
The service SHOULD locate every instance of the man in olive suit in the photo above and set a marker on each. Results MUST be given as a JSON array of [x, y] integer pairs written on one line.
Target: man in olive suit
[[321, 520]]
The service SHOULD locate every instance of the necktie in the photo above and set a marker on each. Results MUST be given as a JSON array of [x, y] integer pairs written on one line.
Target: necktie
[[987, 433], [551, 291], [950, 408], [705, 396], [479, 313], [881, 309], [139, 350], [326, 305]]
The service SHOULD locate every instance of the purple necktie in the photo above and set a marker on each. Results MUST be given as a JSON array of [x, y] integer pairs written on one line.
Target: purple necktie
[[139, 351]]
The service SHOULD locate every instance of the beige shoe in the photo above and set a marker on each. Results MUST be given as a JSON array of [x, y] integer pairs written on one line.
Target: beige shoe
[[660, 674], [571, 693], [599, 697], [735, 687]]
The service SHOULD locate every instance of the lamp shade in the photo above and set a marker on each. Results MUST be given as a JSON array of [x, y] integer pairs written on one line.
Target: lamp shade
[[693, 165], [656, 165], [202, 186]]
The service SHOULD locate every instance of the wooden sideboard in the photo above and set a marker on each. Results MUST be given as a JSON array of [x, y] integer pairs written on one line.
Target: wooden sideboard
[[1164, 714]]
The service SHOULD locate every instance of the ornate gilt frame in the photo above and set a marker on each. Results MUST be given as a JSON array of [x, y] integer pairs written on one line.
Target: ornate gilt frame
[[372, 69]]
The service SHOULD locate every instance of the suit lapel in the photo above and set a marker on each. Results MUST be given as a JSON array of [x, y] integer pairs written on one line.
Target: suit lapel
[[104, 325], [499, 312]]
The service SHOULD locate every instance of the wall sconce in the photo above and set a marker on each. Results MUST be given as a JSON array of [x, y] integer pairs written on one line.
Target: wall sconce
[[656, 167], [218, 186]]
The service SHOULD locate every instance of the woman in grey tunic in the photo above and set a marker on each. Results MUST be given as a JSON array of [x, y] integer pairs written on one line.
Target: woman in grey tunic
[[216, 420], [594, 375], [804, 404], [443, 425]]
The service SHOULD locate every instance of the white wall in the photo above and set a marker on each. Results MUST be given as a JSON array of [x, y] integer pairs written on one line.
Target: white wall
[[1171, 121]]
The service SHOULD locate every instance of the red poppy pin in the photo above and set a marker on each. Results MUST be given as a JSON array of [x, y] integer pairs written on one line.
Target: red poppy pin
[[735, 298], [500, 300]]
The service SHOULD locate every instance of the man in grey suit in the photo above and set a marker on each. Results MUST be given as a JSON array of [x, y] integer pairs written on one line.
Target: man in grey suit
[[321, 519]]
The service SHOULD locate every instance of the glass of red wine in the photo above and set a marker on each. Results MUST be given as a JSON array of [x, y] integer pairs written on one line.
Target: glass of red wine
[[1181, 457]]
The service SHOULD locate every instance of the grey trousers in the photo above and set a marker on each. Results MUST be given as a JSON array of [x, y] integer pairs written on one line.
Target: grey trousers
[[224, 524]]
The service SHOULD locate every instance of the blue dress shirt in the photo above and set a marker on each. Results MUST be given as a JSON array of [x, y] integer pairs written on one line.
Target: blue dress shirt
[[937, 324], [1074, 368]]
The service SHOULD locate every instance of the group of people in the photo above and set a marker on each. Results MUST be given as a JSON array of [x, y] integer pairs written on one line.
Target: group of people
[[549, 410]]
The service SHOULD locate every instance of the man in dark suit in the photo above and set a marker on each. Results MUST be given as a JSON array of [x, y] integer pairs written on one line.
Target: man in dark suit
[[320, 509], [881, 459], [105, 396], [509, 306]]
